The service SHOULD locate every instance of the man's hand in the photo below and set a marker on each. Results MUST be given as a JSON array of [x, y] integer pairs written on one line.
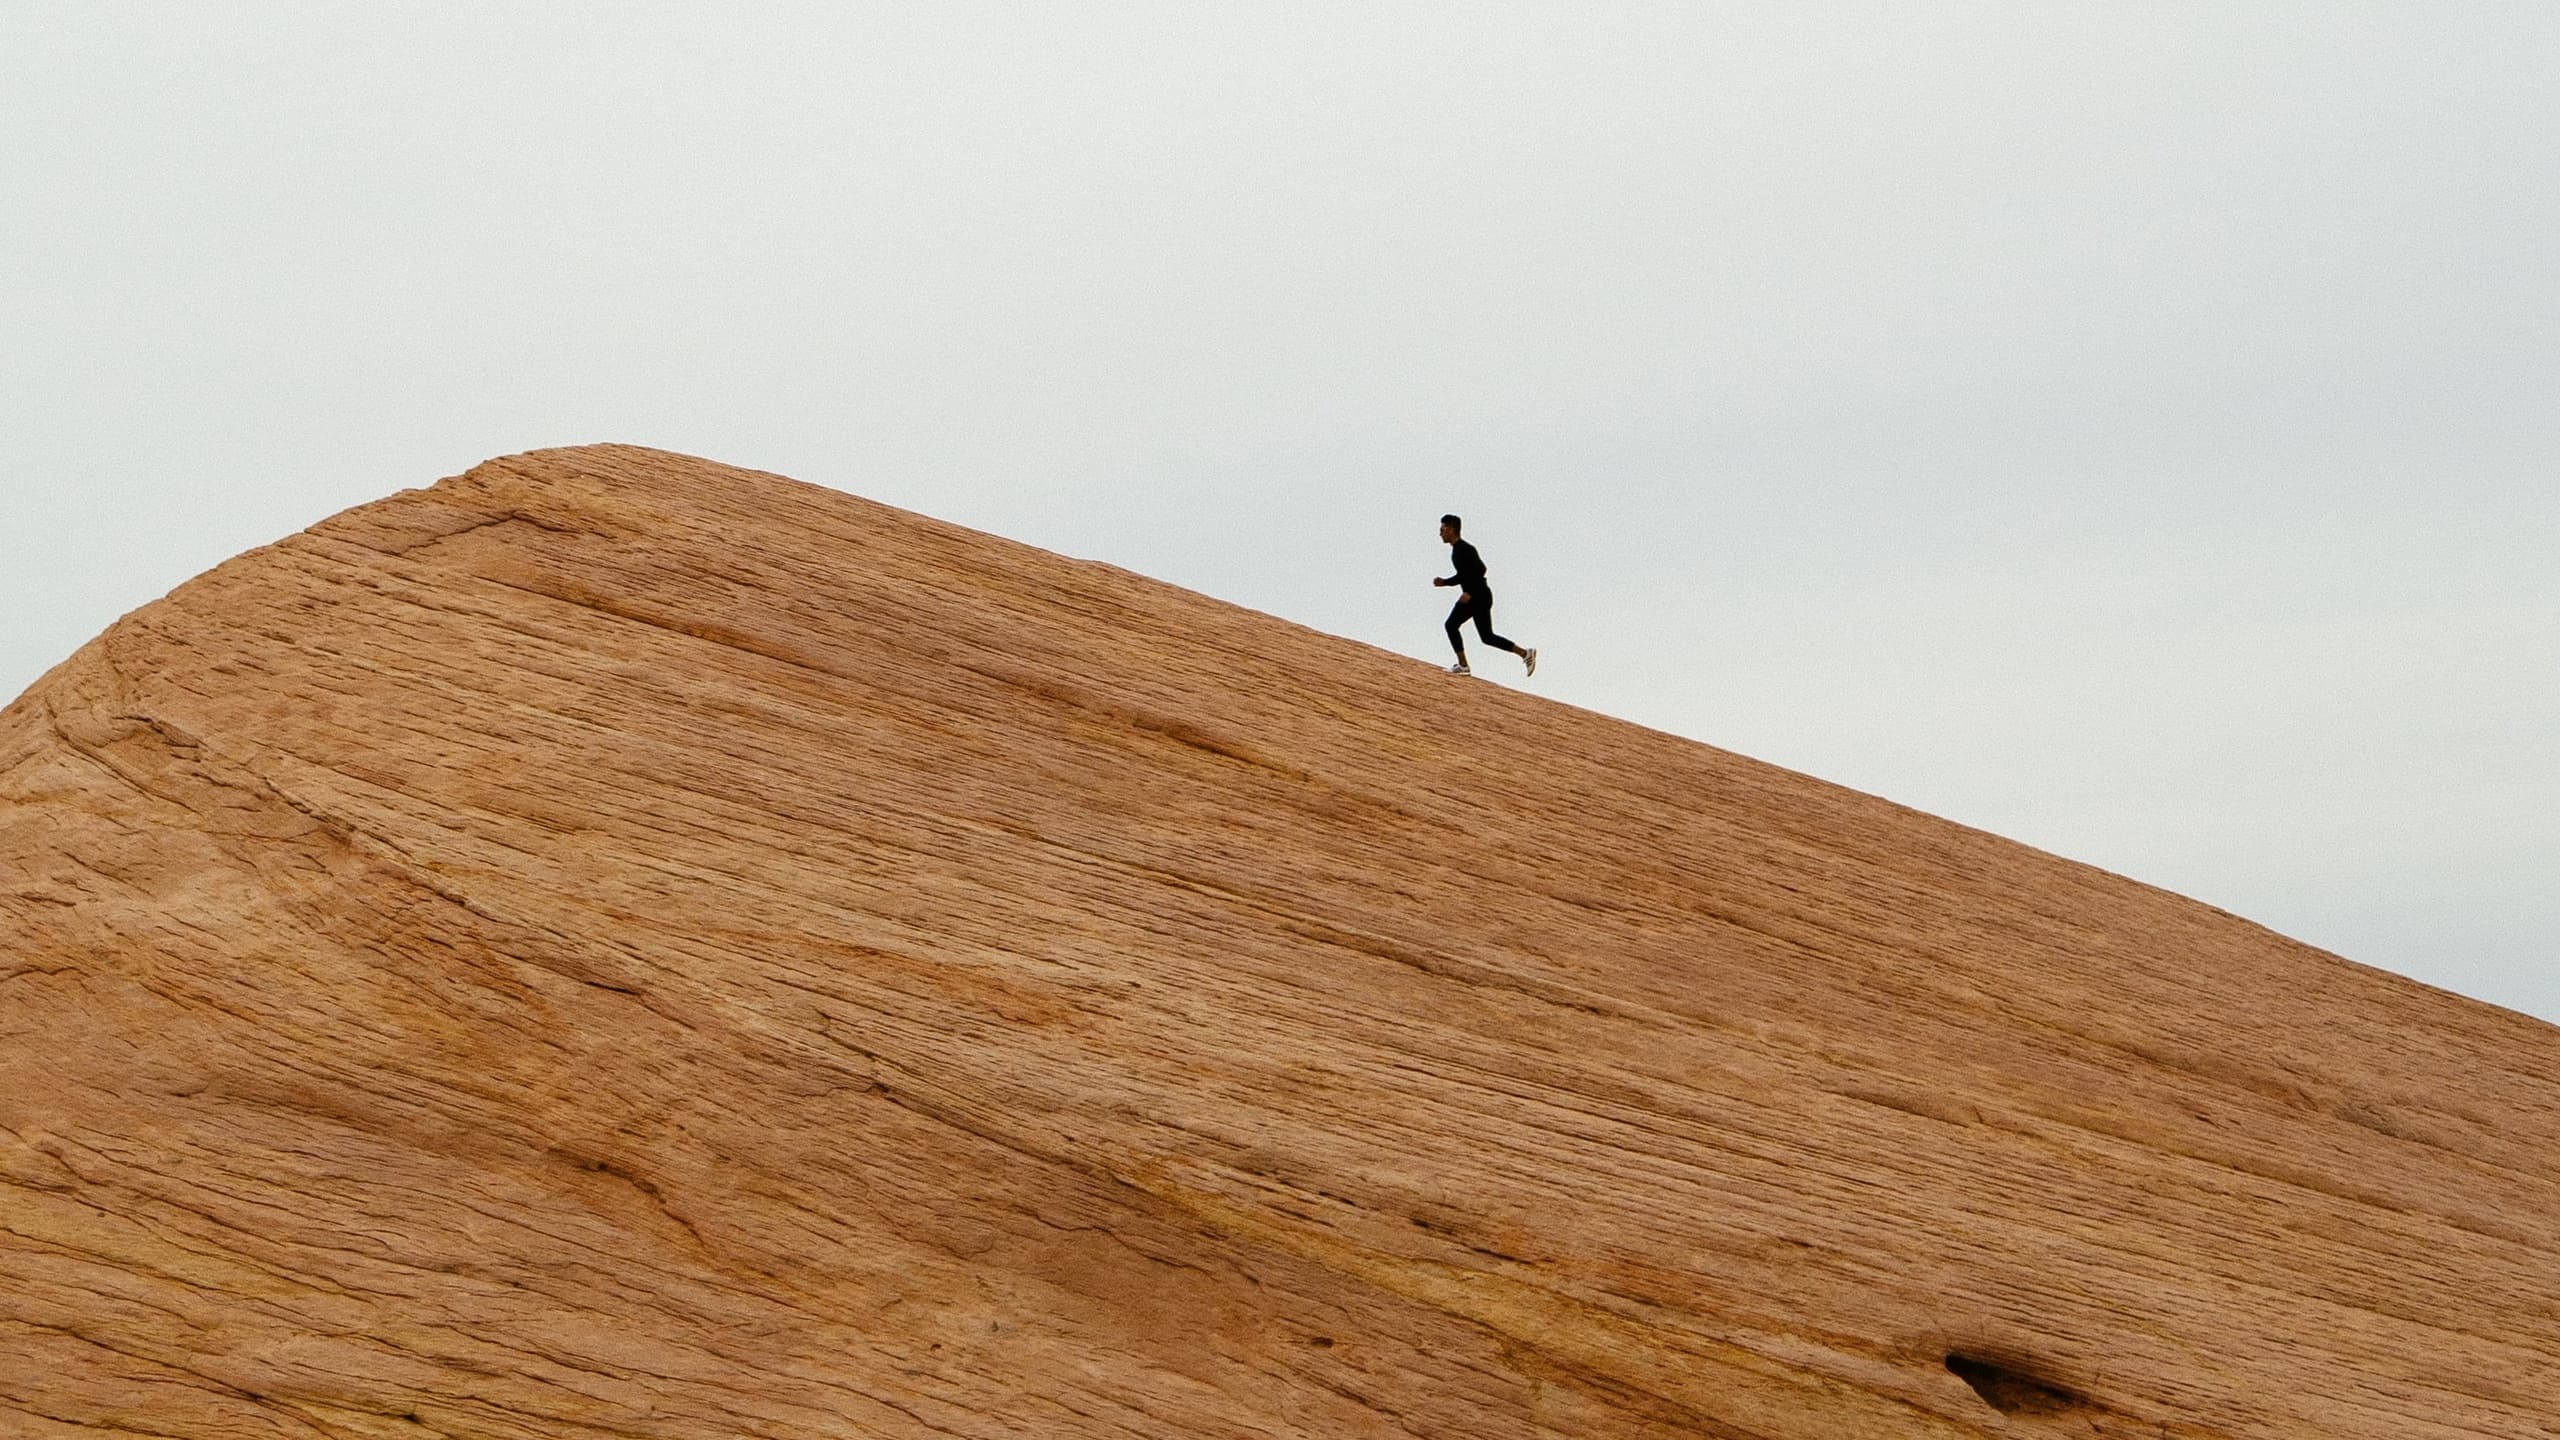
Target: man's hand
[[1444, 580]]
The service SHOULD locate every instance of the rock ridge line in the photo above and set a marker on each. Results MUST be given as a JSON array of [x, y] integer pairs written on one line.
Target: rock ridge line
[[611, 944]]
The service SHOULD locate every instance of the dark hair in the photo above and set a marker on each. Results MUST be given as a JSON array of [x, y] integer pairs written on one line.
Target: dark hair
[[1452, 522]]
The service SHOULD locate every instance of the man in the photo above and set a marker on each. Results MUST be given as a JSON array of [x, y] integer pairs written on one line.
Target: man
[[1475, 600]]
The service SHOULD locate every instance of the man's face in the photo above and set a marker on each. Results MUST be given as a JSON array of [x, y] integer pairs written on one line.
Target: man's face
[[1448, 533]]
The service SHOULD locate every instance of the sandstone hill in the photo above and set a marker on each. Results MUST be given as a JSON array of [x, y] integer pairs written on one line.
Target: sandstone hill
[[613, 945]]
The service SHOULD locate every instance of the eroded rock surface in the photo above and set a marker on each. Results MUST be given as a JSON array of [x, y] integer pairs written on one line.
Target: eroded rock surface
[[613, 945]]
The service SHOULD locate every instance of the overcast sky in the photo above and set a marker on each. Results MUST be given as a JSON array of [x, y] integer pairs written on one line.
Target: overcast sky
[[2129, 428]]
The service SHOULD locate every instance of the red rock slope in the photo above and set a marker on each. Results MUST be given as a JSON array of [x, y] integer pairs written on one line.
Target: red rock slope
[[613, 945]]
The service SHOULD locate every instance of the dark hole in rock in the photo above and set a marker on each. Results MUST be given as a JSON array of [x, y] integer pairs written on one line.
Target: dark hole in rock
[[2009, 1392]]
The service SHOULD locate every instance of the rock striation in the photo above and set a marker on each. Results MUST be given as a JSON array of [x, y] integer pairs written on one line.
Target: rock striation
[[614, 945]]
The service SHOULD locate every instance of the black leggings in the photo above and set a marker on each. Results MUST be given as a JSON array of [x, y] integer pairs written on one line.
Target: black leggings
[[1478, 608]]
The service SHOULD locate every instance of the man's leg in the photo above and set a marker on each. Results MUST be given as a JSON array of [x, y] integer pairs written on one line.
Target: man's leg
[[1484, 627], [1457, 642]]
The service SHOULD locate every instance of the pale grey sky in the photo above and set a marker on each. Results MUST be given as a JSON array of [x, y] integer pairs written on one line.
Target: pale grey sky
[[2126, 427]]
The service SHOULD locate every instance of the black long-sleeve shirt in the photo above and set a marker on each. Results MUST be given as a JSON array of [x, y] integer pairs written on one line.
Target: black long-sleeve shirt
[[1470, 577]]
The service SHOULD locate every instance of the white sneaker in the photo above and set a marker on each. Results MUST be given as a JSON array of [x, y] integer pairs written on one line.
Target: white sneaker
[[1460, 669], [1531, 656]]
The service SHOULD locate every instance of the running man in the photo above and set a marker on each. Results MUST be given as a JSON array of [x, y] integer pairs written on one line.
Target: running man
[[1475, 600]]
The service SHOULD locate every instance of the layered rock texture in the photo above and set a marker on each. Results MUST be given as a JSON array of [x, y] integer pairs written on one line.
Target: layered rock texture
[[613, 945]]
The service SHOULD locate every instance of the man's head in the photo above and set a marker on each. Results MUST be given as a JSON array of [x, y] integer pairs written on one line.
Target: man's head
[[1448, 529]]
